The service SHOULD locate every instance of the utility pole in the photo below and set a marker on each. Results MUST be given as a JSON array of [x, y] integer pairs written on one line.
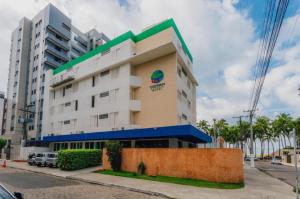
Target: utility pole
[[295, 156], [296, 163], [251, 113]]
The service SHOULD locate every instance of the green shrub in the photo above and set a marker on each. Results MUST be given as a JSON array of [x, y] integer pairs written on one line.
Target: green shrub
[[73, 159], [114, 149], [141, 168]]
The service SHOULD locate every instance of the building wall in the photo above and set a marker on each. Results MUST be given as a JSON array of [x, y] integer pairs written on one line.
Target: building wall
[[2, 110], [158, 108], [216, 165], [39, 44], [136, 104], [17, 78]]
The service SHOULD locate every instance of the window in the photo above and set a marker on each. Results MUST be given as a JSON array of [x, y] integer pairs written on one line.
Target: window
[[93, 81], [189, 104], [104, 94], [73, 145], [76, 105], [69, 86], [64, 91], [103, 116], [184, 116], [179, 72], [184, 72], [104, 73], [68, 104], [184, 94], [79, 145], [54, 94], [93, 101], [66, 122]]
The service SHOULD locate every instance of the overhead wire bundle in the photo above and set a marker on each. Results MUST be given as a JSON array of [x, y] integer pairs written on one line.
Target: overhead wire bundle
[[274, 14]]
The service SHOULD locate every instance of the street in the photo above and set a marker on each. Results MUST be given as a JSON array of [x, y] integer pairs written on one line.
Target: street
[[40, 186], [281, 172]]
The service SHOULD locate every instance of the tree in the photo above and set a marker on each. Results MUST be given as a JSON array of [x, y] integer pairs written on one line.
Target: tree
[[297, 129], [284, 124], [2, 144], [204, 125], [261, 128]]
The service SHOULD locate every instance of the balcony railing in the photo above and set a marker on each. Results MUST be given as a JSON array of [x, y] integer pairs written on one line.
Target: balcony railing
[[54, 40], [52, 62], [55, 52]]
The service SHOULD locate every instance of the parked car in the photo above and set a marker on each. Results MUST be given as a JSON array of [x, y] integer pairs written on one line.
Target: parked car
[[249, 159], [276, 161], [51, 160], [31, 159], [40, 159], [5, 194]]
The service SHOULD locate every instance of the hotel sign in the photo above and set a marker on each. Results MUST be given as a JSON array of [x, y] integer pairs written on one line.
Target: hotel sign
[[156, 78]]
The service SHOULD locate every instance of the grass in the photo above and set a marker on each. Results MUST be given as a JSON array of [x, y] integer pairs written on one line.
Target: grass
[[175, 180]]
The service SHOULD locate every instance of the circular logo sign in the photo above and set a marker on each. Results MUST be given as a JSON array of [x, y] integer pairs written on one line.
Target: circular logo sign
[[157, 76]]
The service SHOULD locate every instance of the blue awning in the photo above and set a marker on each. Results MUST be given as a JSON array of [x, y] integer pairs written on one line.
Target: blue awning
[[183, 132]]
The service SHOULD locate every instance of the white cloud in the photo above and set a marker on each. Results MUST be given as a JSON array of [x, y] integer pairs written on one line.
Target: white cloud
[[221, 39]]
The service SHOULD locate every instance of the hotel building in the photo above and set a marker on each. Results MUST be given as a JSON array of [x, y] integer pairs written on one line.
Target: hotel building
[[139, 89]]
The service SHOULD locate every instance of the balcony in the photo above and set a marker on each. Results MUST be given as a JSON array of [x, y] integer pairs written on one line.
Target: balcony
[[60, 54], [135, 105], [135, 81], [56, 41], [52, 62]]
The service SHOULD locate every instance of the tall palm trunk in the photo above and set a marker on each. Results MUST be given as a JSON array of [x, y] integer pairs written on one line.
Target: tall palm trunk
[[284, 140], [289, 140], [255, 148], [273, 148], [279, 144], [261, 149], [268, 148]]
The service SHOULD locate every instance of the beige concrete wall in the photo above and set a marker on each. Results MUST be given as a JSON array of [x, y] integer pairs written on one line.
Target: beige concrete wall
[[154, 41], [217, 165], [158, 108]]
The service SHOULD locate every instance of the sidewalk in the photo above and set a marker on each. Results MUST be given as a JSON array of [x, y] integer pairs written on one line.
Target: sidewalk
[[49, 171], [258, 184]]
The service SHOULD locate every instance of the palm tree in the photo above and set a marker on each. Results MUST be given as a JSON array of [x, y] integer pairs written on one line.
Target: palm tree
[[297, 129], [284, 123], [204, 125], [261, 128], [244, 128]]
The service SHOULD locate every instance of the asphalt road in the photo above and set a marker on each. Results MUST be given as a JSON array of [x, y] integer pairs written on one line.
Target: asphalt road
[[40, 186], [281, 172]]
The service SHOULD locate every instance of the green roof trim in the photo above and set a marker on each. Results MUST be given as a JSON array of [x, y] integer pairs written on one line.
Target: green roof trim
[[128, 35]]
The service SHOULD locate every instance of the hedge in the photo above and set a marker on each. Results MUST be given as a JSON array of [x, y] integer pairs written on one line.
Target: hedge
[[73, 159]]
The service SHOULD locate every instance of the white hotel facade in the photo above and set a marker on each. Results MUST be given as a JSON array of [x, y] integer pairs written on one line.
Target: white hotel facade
[[142, 81]]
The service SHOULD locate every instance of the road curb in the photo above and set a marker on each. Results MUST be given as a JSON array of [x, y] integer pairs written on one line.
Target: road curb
[[98, 183], [152, 193]]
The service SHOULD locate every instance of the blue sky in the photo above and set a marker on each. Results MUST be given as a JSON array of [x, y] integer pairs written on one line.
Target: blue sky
[[223, 37]]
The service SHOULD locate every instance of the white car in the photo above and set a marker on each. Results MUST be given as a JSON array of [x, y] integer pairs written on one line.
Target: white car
[[5, 194], [276, 161], [40, 159]]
